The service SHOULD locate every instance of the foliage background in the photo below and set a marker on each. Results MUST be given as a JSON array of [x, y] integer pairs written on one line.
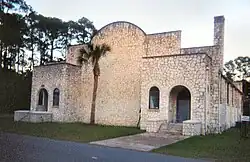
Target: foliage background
[[15, 90]]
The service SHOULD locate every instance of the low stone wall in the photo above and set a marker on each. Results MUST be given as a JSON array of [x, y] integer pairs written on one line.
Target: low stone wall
[[153, 125], [22, 115], [191, 128], [39, 117], [32, 116]]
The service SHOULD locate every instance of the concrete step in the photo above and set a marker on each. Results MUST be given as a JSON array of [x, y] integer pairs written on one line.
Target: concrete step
[[171, 128]]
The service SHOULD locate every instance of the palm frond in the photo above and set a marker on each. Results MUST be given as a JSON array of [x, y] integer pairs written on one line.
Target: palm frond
[[105, 48], [79, 58], [84, 55], [90, 47], [93, 53]]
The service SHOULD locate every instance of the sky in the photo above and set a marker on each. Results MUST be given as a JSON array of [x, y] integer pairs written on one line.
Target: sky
[[193, 17]]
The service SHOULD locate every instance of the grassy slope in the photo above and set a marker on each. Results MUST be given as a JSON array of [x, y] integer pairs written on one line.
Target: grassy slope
[[66, 131], [227, 146]]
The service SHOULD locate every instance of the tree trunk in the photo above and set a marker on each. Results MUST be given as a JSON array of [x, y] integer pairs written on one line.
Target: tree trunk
[[51, 51], [139, 120], [32, 59], [18, 60], [41, 58], [1, 54], [92, 115], [32, 54], [23, 63], [5, 61]]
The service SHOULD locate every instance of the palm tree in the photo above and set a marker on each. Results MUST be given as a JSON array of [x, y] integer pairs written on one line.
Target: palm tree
[[93, 53]]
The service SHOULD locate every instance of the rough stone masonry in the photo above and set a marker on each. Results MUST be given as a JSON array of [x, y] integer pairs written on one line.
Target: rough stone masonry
[[147, 77]]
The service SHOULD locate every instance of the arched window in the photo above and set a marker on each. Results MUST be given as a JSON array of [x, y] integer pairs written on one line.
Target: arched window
[[154, 98], [42, 100], [43, 95], [56, 95]]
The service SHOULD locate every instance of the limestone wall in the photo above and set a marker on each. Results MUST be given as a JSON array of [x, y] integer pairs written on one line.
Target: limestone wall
[[191, 128], [118, 94], [208, 96], [223, 117], [32, 116], [168, 72], [230, 104], [73, 93], [229, 116], [211, 115], [73, 54], [223, 91], [209, 50], [216, 53], [163, 43], [212, 97], [137, 62], [50, 77], [86, 96]]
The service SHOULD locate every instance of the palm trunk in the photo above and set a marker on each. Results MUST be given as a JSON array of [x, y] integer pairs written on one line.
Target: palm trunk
[[92, 115], [32, 59], [32, 54], [139, 120], [51, 51], [5, 61], [1, 54], [18, 60], [41, 57], [23, 63]]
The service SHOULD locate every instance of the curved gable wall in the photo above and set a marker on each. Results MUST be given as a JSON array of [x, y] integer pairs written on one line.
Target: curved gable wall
[[118, 96], [120, 33]]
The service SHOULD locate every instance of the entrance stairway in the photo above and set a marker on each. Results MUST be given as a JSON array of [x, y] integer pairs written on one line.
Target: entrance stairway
[[171, 128]]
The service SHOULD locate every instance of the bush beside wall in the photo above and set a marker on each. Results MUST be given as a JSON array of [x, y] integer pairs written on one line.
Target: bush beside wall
[[15, 90]]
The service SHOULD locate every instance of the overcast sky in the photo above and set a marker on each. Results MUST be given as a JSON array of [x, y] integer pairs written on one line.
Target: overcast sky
[[193, 17]]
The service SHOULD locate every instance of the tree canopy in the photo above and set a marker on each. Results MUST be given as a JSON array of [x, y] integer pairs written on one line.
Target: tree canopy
[[28, 38], [238, 69]]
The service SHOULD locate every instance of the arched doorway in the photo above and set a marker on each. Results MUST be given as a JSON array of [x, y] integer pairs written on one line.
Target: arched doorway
[[42, 100], [179, 106]]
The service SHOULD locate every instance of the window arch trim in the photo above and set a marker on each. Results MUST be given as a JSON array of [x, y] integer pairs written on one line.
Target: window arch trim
[[42, 95], [154, 98], [56, 97]]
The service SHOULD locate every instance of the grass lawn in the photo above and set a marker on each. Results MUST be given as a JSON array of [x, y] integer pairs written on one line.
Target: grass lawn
[[78, 132], [228, 146]]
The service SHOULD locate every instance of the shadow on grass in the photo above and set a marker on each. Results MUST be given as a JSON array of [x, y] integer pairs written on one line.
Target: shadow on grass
[[78, 132]]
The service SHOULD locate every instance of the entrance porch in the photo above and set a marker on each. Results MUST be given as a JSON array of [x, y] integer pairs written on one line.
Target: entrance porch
[[178, 117], [179, 105]]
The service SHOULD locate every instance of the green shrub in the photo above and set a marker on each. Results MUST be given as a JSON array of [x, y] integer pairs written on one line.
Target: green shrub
[[15, 90]]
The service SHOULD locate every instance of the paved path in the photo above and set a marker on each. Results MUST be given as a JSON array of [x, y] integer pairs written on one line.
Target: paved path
[[18, 148], [142, 142]]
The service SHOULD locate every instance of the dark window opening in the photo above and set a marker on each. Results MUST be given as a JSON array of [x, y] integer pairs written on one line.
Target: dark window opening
[[56, 95], [42, 96], [154, 97], [40, 100]]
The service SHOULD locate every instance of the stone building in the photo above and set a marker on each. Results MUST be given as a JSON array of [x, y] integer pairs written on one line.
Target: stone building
[[147, 80]]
